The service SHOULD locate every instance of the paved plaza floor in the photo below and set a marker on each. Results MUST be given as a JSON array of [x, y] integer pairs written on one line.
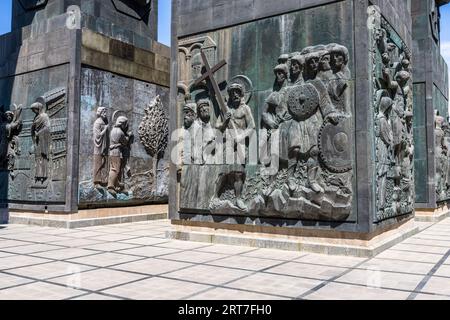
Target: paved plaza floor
[[135, 261]]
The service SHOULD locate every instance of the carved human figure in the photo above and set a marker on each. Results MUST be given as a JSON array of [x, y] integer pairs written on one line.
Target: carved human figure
[[324, 68], [384, 147], [240, 125], [101, 147], [299, 136], [274, 112], [121, 141], [281, 72], [296, 70], [312, 65], [13, 128], [337, 87], [205, 135], [189, 132], [40, 133], [441, 156]]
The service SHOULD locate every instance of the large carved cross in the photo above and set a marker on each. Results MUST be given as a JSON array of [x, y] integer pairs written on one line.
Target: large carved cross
[[209, 74]]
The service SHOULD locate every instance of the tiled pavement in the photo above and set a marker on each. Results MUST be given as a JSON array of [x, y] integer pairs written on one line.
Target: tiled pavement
[[135, 261]]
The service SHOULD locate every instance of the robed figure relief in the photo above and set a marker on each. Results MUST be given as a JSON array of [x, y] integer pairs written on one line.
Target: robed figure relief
[[119, 152], [101, 144], [40, 133]]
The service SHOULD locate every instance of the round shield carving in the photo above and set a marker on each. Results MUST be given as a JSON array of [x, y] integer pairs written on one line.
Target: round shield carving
[[303, 101], [246, 83], [336, 145]]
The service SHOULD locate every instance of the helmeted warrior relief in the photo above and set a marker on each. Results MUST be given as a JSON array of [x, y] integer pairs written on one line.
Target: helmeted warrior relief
[[101, 147], [119, 152], [40, 133], [393, 110]]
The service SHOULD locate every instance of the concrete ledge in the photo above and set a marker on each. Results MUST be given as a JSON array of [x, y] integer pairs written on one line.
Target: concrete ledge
[[358, 246], [91, 218], [433, 215]]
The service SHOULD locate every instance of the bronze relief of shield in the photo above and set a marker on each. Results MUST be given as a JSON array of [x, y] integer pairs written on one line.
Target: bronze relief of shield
[[335, 143]]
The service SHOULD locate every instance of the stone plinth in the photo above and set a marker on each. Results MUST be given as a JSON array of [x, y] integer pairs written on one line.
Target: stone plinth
[[86, 87], [322, 94]]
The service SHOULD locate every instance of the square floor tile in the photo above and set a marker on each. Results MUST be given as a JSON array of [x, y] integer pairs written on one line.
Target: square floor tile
[[32, 248], [104, 259], [437, 285], [182, 245], [264, 283], [7, 281], [443, 271], [226, 249], [310, 271], [421, 248], [431, 297], [76, 243], [208, 274], [98, 279], [64, 254], [231, 294], [5, 244], [337, 291], [421, 268], [382, 279], [18, 261], [113, 237], [194, 256], [145, 241], [326, 260], [95, 297], [246, 263], [111, 246], [157, 289], [149, 251], [274, 254], [152, 266], [50, 270], [410, 256], [39, 291]]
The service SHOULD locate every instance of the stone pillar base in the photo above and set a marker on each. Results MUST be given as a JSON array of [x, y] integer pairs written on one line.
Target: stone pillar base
[[91, 218], [433, 215], [315, 241]]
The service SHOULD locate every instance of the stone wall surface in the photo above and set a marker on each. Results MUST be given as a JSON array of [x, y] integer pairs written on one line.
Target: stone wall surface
[[120, 96], [64, 61], [331, 180], [431, 103]]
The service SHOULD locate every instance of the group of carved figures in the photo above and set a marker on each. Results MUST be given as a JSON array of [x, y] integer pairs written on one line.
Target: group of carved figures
[[309, 98], [442, 156], [111, 150], [112, 145], [11, 128], [394, 124]]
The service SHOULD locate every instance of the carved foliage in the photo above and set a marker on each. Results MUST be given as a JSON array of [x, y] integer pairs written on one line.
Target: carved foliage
[[154, 129]]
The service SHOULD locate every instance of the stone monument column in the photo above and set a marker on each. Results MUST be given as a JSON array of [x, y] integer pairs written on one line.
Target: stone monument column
[[84, 91], [312, 145], [431, 124]]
